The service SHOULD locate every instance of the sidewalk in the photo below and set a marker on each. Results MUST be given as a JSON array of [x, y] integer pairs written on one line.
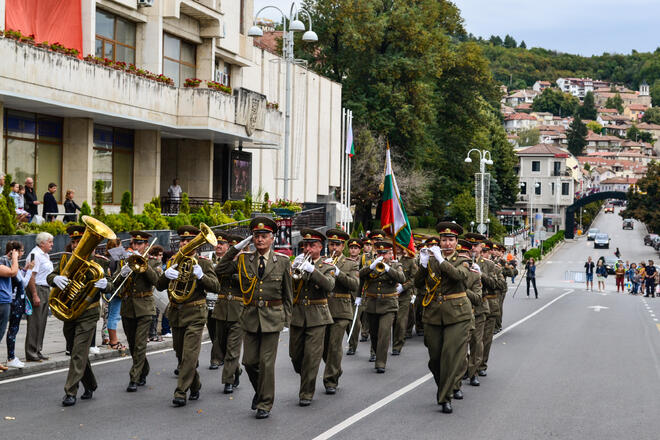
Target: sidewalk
[[54, 347]]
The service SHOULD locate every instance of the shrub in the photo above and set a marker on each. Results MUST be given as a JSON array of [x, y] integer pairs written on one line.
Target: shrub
[[178, 220], [98, 199], [122, 222], [358, 230], [54, 228], [156, 202], [238, 215], [126, 204], [153, 214], [7, 189], [218, 216], [85, 209], [532, 253], [226, 207], [185, 204], [7, 217], [247, 205], [414, 221]]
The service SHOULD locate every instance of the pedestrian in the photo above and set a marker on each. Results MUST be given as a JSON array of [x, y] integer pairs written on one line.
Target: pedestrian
[[619, 273], [18, 304], [70, 207], [633, 278], [589, 271], [113, 316], [530, 267], [31, 201], [38, 290], [174, 192], [50, 204], [22, 215], [617, 253], [8, 270], [2, 182], [601, 275], [650, 279]]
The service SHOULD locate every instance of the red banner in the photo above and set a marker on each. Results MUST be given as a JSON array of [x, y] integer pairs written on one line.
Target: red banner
[[55, 21]]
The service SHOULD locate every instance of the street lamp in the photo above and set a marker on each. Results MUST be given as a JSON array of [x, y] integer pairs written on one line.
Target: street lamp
[[471, 226], [291, 24], [480, 198]]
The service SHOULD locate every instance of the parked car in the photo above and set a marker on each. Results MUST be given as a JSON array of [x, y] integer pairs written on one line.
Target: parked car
[[610, 209], [648, 239], [656, 243], [617, 202], [628, 224], [610, 264], [591, 234], [602, 241]]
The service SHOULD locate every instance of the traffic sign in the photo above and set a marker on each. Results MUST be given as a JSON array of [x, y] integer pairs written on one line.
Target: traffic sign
[[482, 228]]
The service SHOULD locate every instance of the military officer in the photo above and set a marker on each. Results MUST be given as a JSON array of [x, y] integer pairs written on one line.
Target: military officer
[[406, 292], [447, 309], [496, 284], [264, 278], [507, 271], [340, 303], [80, 331], [419, 309], [227, 315], [138, 308], [217, 354], [188, 317], [354, 250], [381, 279]]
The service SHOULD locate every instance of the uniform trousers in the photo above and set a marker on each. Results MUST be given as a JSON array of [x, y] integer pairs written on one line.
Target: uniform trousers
[[476, 345], [411, 320], [463, 362], [489, 330], [358, 330], [419, 310], [380, 331], [333, 351], [498, 320], [400, 323], [137, 333], [259, 354], [187, 343], [78, 334], [446, 346], [306, 351], [36, 325], [229, 336], [217, 354]]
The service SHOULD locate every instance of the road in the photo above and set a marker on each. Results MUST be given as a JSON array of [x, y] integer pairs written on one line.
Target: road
[[561, 369]]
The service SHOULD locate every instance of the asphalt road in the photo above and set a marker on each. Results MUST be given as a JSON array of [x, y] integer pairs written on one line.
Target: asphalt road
[[561, 369]]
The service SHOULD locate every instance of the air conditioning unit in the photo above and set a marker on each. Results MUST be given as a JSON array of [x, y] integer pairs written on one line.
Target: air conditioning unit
[[145, 3]]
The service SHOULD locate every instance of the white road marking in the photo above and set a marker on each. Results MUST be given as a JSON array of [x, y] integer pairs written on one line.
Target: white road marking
[[395, 395], [597, 308]]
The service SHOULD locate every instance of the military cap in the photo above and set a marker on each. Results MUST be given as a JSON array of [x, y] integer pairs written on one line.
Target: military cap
[[432, 241], [449, 229], [463, 245], [187, 231], [234, 239], [377, 234], [75, 231], [336, 235], [263, 224], [367, 240], [487, 245], [382, 246], [354, 242], [139, 236], [222, 236], [473, 237], [310, 235]]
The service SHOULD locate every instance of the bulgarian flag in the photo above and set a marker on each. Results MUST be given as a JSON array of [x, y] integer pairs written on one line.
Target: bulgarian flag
[[393, 217], [350, 145]]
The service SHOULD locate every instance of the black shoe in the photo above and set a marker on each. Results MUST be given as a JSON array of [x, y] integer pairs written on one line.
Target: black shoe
[[262, 414], [380, 370], [255, 400], [482, 373], [409, 336], [87, 394], [142, 382], [176, 371], [237, 376], [330, 390], [214, 366], [372, 358], [42, 357], [67, 353], [446, 408], [305, 402], [194, 395], [132, 387], [395, 352], [179, 401], [363, 339], [474, 381], [229, 388], [465, 377], [458, 395], [69, 400], [420, 332], [350, 352]]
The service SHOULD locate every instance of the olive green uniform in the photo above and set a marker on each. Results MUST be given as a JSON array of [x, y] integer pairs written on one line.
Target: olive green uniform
[[217, 355], [79, 334], [382, 303], [401, 320], [267, 312], [361, 330], [507, 271], [473, 291], [137, 310], [447, 318], [481, 311], [227, 315], [187, 321], [340, 303], [494, 308]]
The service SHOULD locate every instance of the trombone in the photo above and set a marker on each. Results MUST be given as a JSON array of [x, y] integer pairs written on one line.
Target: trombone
[[297, 273], [137, 263]]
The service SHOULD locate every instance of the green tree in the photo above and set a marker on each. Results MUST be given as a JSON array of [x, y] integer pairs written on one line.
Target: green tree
[[576, 135], [495, 40], [643, 201], [615, 102], [510, 42], [98, 199], [462, 209], [185, 204], [85, 209], [556, 102], [523, 45], [528, 137], [654, 91], [652, 115], [126, 204], [637, 135], [588, 108], [594, 126]]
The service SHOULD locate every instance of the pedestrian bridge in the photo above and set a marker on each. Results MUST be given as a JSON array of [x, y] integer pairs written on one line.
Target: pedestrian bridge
[[570, 211]]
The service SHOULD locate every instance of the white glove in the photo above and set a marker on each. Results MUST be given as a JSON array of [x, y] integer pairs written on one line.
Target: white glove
[[375, 263], [101, 284], [424, 259], [337, 271], [328, 260], [387, 267], [243, 243], [475, 268], [125, 270], [171, 273], [197, 270], [61, 281], [399, 288], [358, 301], [297, 261], [307, 267], [437, 253], [412, 299]]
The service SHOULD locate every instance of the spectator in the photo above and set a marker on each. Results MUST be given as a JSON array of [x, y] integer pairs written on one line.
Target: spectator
[[39, 289], [19, 203], [19, 283], [649, 279], [31, 201], [50, 204], [531, 276], [633, 277], [70, 207], [620, 274], [8, 270], [617, 253], [2, 182], [174, 192], [601, 274], [114, 307], [589, 270], [156, 253]]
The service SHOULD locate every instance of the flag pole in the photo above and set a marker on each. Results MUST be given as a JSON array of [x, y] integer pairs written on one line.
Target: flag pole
[[392, 225], [342, 162], [348, 179]]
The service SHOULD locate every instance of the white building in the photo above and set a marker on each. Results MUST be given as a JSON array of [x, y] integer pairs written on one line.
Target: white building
[[539, 86], [618, 184], [519, 121], [576, 86]]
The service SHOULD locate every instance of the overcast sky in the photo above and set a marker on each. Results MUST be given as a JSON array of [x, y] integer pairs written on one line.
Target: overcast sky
[[585, 27]]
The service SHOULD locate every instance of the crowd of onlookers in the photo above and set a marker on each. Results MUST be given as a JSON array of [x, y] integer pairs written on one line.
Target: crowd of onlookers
[[634, 278]]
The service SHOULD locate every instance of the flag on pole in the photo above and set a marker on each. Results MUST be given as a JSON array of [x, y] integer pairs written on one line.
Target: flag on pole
[[393, 217], [350, 146]]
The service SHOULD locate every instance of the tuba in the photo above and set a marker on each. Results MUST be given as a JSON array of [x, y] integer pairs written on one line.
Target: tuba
[[80, 293], [181, 289]]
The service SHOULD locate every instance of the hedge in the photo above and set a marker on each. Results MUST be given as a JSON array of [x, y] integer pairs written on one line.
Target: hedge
[[548, 244]]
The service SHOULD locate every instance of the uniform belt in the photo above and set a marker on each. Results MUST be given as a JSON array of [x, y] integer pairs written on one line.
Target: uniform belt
[[340, 295], [231, 297], [490, 296], [441, 298], [141, 294], [382, 295], [312, 302], [96, 304], [199, 302], [264, 303]]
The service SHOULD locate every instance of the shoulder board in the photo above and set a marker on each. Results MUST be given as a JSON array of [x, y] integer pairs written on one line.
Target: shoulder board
[[465, 263], [202, 257], [101, 257], [279, 254]]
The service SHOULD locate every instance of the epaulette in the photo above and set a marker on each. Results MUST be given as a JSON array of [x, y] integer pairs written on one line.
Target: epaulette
[[204, 258], [279, 254], [102, 257]]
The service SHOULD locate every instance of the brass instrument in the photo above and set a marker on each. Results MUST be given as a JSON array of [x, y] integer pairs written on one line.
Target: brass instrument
[[181, 289], [335, 258], [297, 273], [79, 294], [137, 263]]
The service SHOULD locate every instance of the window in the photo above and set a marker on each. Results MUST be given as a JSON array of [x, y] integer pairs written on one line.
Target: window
[[565, 187], [113, 161], [178, 59], [523, 187], [241, 174], [556, 168], [537, 188], [552, 187], [223, 73], [115, 37], [536, 165], [33, 148]]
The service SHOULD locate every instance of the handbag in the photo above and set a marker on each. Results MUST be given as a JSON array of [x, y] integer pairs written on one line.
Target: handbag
[[28, 306]]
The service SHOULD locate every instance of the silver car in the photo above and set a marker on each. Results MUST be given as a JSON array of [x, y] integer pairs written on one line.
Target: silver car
[[602, 241], [591, 234]]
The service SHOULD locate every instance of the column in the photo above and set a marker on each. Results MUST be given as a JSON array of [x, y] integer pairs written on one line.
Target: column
[[205, 60], [195, 167], [77, 158], [2, 15], [2, 122], [88, 27], [149, 36], [146, 167]]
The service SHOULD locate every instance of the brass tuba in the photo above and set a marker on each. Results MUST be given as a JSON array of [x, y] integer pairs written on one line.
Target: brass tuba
[[181, 289], [79, 294]]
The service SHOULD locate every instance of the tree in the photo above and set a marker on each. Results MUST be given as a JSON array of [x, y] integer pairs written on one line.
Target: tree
[[615, 102], [523, 45], [528, 137], [594, 126], [556, 102], [637, 135], [576, 134], [98, 199], [588, 108], [126, 204], [654, 91], [510, 42], [652, 115], [643, 201], [495, 40]]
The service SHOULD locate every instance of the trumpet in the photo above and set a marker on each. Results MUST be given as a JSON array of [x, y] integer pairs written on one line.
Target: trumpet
[[334, 258], [137, 263], [297, 273]]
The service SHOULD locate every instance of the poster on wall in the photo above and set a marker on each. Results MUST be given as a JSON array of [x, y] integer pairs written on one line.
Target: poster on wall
[[241, 174], [283, 237]]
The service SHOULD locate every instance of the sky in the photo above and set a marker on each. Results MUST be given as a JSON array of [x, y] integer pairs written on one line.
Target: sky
[[585, 27]]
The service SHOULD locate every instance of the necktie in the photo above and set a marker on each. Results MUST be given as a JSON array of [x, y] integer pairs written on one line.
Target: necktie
[[262, 267]]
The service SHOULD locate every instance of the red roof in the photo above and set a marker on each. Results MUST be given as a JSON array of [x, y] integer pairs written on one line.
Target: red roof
[[638, 107], [519, 116], [543, 149], [619, 180], [608, 110]]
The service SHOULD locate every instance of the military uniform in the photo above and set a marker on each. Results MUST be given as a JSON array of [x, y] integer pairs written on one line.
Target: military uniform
[[507, 271], [447, 315], [79, 332], [407, 291], [187, 320], [340, 303], [265, 281], [493, 286], [361, 329], [217, 354], [382, 303]]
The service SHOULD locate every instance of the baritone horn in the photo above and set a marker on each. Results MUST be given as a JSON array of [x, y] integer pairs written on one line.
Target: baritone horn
[[137, 263], [297, 273], [181, 289]]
